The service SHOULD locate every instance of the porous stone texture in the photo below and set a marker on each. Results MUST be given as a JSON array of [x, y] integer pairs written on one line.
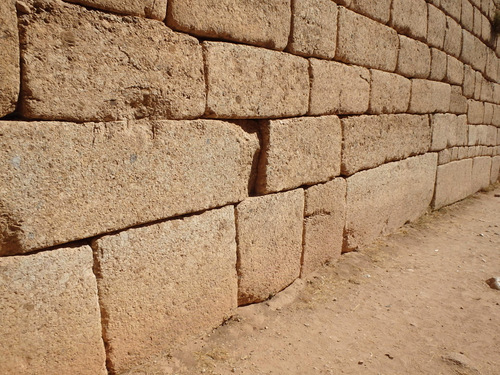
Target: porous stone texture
[[139, 68], [414, 58], [338, 88], [382, 199], [51, 323], [378, 10], [475, 113], [439, 63], [269, 237], [458, 102], [448, 130], [9, 58], [486, 91], [366, 42], [478, 85], [495, 169], [481, 173], [469, 83], [453, 183], [454, 71], [488, 113], [452, 8], [473, 51], [390, 93], [437, 27], [251, 82], [453, 37], [301, 151], [410, 18], [323, 224], [163, 283], [64, 181], [429, 96], [261, 23], [492, 62], [467, 16], [477, 22], [314, 28], [156, 9], [370, 141]]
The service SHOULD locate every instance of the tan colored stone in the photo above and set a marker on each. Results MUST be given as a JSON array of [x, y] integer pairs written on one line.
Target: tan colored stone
[[143, 8], [410, 18], [370, 141], [163, 283], [390, 93], [475, 113], [473, 135], [251, 82], [486, 91], [478, 85], [453, 38], [414, 58], [314, 28], [365, 42], [492, 62], [298, 151], [437, 26], [458, 102], [488, 113], [495, 169], [381, 200], [496, 115], [64, 181], [473, 51], [323, 224], [9, 58], [481, 173], [429, 96], [469, 81], [452, 8], [338, 88], [453, 183], [454, 71], [51, 323], [439, 64], [496, 92], [492, 136], [467, 17], [448, 131], [261, 23], [485, 29], [269, 237], [444, 156], [478, 27], [378, 10]]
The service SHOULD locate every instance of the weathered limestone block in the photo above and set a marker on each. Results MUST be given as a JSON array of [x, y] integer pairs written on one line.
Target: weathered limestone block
[[496, 91], [437, 26], [429, 96], [496, 116], [9, 58], [414, 58], [491, 139], [492, 62], [448, 130], [495, 169], [323, 224], [444, 156], [486, 91], [62, 181], [453, 183], [250, 82], [381, 200], [478, 84], [366, 42], [488, 113], [298, 151], [453, 38], [314, 28], [469, 83], [439, 63], [454, 71], [269, 237], [481, 173], [473, 51], [51, 323], [467, 17], [473, 135], [261, 23], [378, 10], [485, 29], [338, 88], [410, 18], [452, 8], [370, 141], [475, 113], [390, 93], [143, 8], [458, 102], [478, 27]]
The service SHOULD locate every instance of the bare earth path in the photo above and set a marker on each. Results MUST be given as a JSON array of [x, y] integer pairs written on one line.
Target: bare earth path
[[414, 303]]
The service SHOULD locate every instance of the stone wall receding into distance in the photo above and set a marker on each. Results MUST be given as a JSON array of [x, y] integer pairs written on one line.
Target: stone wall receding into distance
[[163, 162]]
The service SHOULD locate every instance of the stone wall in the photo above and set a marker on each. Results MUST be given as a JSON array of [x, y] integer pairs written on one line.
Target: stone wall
[[162, 164]]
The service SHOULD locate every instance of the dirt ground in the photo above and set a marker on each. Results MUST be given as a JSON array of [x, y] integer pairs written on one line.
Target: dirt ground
[[413, 303]]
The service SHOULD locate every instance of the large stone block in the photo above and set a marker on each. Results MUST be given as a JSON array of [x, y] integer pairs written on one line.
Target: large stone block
[[458, 102], [261, 23], [323, 224], [439, 64], [429, 96], [251, 82], [469, 83], [143, 8], [453, 37], [492, 62], [454, 71], [390, 93], [51, 323], [467, 16], [481, 173], [61, 181], [485, 29], [366, 42], [473, 51], [9, 58], [370, 141], [486, 91], [453, 183], [314, 28], [299, 151], [410, 18], [495, 169], [414, 58], [381, 200], [378, 10], [475, 113], [269, 237], [478, 84], [488, 113], [437, 27], [448, 130], [338, 88], [477, 22], [452, 7], [163, 283]]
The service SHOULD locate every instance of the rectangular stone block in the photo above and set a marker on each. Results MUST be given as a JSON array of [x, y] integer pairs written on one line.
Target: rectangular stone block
[[429, 96], [323, 224], [458, 102], [495, 169], [437, 26], [142, 8], [485, 29], [260, 23], [473, 51], [51, 323], [370, 141], [414, 58], [469, 83], [363, 41], [439, 63], [475, 112], [314, 28], [478, 85], [378, 10], [453, 183], [454, 71], [269, 237], [298, 151], [61, 181], [390, 93], [453, 37], [410, 18], [448, 131], [138, 69], [250, 82], [492, 62], [467, 17], [452, 8], [488, 113], [163, 283], [478, 27], [496, 115], [486, 91], [381, 200], [481, 173]]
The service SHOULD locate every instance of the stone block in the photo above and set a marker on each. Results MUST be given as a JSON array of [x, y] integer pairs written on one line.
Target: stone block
[[491, 136], [486, 91], [251, 82], [495, 169], [496, 93], [377, 10], [410, 18], [496, 115], [473, 135], [467, 17], [444, 156], [453, 183], [481, 173], [458, 102], [485, 29], [261, 23], [473, 51], [478, 85], [366, 42], [453, 37], [448, 130], [143, 8], [9, 58], [62, 181], [163, 283], [370, 141], [437, 27], [475, 112], [381, 200], [338, 88], [139, 68], [478, 27], [488, 113], [314, 28], [51, 323], [323, 224], [390, 93], [414, 58], [452, 8], [454, 71], [469, 83], [298, 151], [429, 96], [269, 237], [439, 63]]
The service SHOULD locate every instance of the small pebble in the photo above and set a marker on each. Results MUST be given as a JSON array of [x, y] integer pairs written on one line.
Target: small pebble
[[494, 283]]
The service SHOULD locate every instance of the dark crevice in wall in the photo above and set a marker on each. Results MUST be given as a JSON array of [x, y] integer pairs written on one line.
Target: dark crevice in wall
[[292, 25], [238, 253], [304, 220], [208, 111]]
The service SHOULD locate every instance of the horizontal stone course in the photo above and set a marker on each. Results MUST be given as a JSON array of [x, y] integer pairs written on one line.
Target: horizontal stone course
[[144, 8]]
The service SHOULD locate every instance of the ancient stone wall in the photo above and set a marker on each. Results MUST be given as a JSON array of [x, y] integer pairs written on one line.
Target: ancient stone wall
[[162, 163]]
